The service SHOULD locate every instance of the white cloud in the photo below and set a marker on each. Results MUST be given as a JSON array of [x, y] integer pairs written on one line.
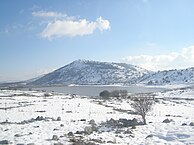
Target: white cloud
[[47, 14], [172, 60], [60, 24], [102, 24], [70, 27]]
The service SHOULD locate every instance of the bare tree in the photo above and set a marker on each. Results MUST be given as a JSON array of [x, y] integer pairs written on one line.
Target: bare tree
[[142, 105]]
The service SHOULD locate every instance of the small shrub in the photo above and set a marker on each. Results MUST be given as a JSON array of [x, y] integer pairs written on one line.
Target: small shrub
[[105, 94]]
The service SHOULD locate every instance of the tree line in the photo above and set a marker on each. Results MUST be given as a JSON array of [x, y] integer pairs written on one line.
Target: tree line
[[116, 94]]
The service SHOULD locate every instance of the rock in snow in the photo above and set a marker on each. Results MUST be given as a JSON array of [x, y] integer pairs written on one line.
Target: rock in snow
[[167, 120], [4, 142]]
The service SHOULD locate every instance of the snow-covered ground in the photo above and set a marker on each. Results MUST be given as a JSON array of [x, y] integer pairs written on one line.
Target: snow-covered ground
[[178, 93], [61, 114]]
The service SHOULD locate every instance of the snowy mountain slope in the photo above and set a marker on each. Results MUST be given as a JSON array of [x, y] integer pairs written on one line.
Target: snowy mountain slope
[[182, 76], [92, 72], [85, 72]]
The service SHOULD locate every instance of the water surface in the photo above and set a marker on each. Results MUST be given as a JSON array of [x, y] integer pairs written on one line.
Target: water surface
[[95, 90]]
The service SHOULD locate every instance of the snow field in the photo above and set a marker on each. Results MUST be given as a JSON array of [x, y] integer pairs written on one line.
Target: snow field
[[75, 112]]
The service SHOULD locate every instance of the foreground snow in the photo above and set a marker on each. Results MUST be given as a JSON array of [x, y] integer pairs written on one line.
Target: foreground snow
[[19, 124]]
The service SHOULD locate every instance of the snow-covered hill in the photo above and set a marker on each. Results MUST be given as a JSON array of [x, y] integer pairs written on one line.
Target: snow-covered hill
[[85, 72], [93, 72], [182, 76]]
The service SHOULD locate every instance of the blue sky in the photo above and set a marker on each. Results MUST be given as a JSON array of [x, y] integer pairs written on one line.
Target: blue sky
[[39, 36]]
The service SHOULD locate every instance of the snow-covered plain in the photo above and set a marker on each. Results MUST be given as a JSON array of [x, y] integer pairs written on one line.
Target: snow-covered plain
[[19, 124]]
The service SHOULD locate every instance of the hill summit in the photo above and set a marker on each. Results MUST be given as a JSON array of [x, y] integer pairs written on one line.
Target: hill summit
[[82, 72]]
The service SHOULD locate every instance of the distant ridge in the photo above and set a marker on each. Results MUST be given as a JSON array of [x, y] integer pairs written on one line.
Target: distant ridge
[[180, 76]]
